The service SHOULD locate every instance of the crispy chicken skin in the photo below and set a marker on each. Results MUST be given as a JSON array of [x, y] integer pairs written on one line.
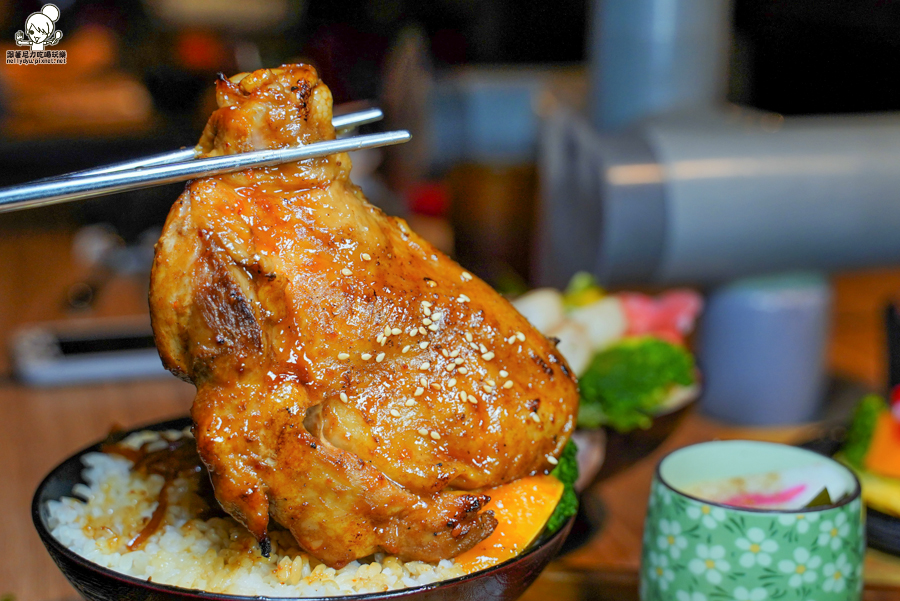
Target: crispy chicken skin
[[353, 383]]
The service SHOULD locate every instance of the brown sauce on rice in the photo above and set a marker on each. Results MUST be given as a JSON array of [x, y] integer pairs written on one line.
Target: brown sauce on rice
[[179, 458]]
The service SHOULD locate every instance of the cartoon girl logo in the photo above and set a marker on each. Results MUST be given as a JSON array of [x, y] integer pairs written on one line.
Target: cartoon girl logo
[[40, 29]]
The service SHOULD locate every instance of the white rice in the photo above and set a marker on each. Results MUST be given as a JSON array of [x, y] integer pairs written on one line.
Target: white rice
[[216, 555]]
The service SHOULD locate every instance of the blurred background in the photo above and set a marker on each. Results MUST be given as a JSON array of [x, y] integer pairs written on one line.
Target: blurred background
[[534, 124], [746, 149]]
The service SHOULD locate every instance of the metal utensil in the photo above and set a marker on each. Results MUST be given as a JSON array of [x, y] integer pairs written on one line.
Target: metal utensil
[[182, 165], [342, 122]]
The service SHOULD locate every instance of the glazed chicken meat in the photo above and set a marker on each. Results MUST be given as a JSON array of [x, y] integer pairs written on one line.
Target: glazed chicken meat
[[354, 384]]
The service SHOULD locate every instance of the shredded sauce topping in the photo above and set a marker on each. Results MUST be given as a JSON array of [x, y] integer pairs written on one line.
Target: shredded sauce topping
[[178, 459]]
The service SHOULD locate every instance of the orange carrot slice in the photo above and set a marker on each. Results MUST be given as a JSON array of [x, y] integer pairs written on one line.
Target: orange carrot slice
[[883, 457], [522, 508]]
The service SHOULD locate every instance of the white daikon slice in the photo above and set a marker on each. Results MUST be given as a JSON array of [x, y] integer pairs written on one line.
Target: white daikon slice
[[604, 321], [574, 345], [543, 307]]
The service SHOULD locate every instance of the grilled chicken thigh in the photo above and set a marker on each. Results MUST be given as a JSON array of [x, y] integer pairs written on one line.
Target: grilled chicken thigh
[[353, 383]]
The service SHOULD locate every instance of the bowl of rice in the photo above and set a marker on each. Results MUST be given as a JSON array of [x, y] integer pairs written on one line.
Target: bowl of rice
[[114, 535]]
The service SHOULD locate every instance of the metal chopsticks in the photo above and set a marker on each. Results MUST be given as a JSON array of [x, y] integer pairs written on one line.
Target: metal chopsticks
[[182, 165], [341, 122]]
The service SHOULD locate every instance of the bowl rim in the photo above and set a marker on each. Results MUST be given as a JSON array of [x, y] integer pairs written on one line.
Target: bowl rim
[[50, 540], [691, 396], [855, 495]]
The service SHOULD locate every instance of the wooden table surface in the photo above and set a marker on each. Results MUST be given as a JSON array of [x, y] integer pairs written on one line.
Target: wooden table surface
[[40, 427]]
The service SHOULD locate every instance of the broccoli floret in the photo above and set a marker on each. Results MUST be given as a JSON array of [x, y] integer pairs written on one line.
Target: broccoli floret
[[566, 471], [859, 434], [625, 383]]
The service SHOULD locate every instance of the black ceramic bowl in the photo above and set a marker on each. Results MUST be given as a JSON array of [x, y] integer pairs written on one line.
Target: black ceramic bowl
[[505, 581], [624, 449], [882, 529], [605, 452]]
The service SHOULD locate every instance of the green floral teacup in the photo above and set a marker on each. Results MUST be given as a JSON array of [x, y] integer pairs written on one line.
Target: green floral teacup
[[695, 549]]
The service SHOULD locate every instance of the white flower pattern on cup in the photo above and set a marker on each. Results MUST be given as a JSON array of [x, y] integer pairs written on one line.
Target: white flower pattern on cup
[[671, 540], [800, 521], [660, 571], [710, 562], [757, 548], [698, 551], [832, 532], [665, 496], [741, 593], [710, 517], [835, 574], [802, 569], [686, 596]]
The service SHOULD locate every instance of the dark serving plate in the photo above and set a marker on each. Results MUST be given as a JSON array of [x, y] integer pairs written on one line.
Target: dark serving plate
[[605, 452], [624, 449], [882, 530], [505, 581]]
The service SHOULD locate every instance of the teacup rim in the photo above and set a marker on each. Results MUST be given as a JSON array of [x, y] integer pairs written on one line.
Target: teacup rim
[[856, 494]]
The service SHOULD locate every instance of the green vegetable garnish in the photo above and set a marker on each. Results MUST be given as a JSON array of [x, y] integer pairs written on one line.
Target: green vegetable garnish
[[582, 290], [566, 472], [820, 500], [624, 384], [509, 283], [859, 435]]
